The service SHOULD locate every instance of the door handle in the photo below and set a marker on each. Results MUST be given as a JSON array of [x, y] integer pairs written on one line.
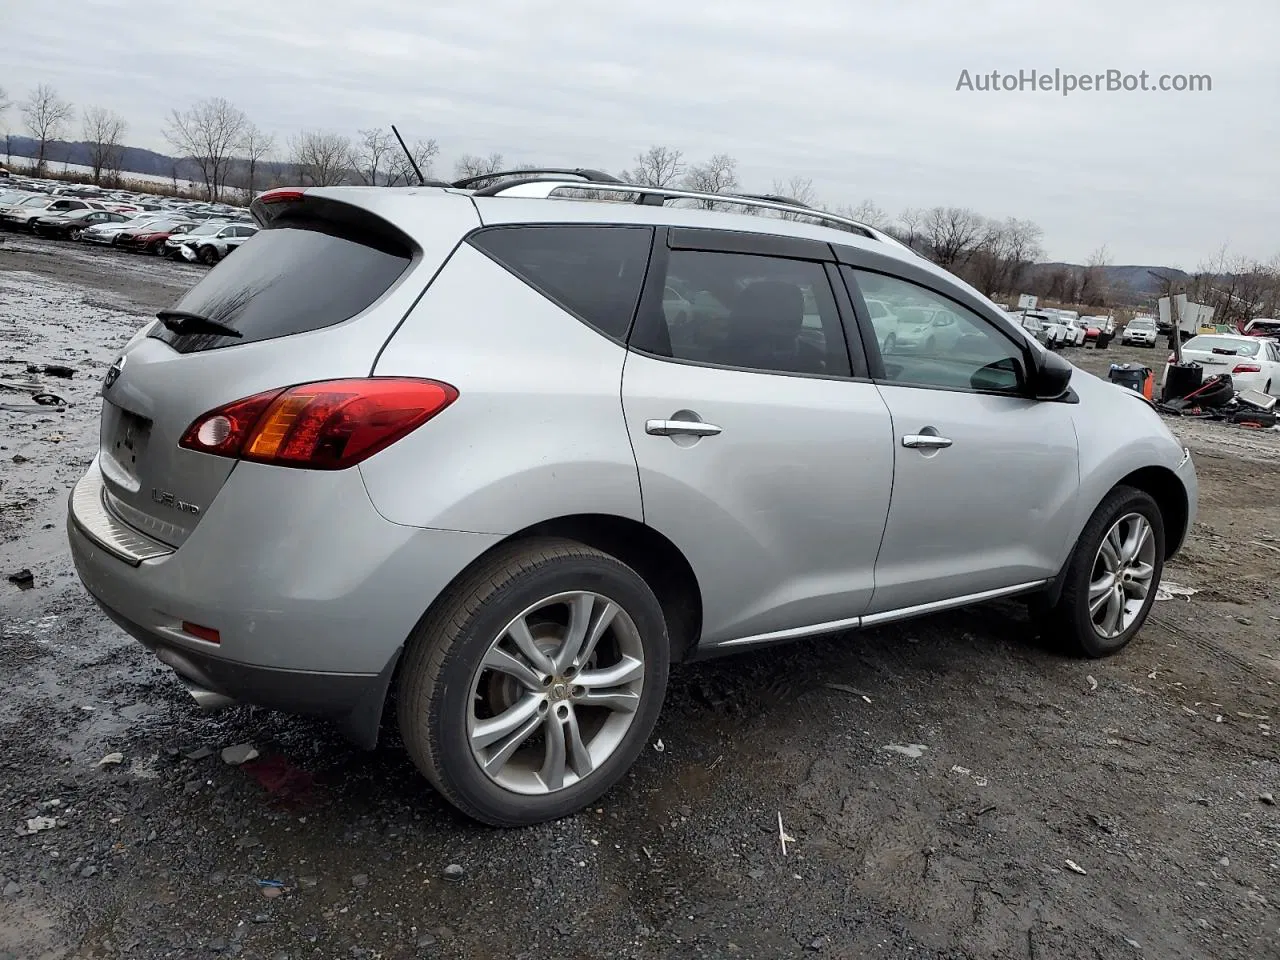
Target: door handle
[[672, 428], [923, 441]]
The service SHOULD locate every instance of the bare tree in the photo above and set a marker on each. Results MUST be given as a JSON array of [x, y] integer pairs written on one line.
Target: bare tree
[[656, 167], [469, 165], [207, 133], [370, 154], [911, 222], [1093, 279], [951, 234], [717, 175], [256, 143], [797, 189], [400, 170], [46, 115], [321, 159], [103, 131], [1002, 254], [866, 212]]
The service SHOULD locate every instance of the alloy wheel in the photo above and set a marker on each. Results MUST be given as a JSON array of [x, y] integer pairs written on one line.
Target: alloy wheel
[[1122, 576], [555, 693]]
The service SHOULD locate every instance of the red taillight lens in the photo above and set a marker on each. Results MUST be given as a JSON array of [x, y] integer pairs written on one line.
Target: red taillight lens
[[1172, 357], [320, 426], [280, 195], [207, 634], [1247, 368]]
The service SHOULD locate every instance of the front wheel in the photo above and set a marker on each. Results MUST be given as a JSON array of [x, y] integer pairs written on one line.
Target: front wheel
[[208, 255], [1113, 576], [534, 682]]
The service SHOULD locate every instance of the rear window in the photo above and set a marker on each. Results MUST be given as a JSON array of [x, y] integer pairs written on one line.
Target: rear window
[[593, 272], [1240, 348], [302, 274]]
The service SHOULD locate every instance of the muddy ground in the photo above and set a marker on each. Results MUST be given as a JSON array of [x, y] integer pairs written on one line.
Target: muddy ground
[[1147, 771]]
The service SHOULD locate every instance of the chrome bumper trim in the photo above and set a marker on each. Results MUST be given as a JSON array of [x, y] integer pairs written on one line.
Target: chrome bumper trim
[[88, 511]]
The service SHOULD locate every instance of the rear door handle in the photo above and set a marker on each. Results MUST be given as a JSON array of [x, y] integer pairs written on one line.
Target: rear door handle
[[923, 441], [672, 428]]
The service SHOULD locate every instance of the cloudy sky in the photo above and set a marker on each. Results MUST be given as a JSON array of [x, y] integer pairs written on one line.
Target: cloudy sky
[[859, 96]]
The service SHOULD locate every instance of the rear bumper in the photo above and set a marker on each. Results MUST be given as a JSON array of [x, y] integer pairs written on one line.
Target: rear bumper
[[312, 592]]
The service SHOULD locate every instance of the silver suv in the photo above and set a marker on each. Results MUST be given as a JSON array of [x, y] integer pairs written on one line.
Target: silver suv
[[465, 447]]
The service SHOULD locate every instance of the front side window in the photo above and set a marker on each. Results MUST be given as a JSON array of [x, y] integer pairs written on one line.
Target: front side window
[[928, 340], [756, 312]]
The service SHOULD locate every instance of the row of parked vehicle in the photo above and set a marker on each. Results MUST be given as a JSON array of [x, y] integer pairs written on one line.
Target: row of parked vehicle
[[196, 232], [1057, 328]]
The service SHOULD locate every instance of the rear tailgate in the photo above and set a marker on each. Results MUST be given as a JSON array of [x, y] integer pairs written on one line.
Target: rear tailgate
[[313, 296]]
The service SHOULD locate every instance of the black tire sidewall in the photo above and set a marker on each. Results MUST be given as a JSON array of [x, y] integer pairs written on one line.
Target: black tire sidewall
[[447, 719], [1075, 599]]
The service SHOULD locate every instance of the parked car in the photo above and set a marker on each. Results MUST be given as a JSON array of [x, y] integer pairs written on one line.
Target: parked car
[[1253, 362], [1262, 327], [1033, 327], [212, 248], [1055, 331], [341, 463], [150, 238], [172, 247], [23, 215], [926, 329], [106, 233], [1075, 332], [1098, 325], [1140, 332], [68, 226]]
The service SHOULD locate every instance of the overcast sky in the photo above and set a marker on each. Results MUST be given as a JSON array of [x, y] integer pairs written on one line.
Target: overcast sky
[[859, 96]]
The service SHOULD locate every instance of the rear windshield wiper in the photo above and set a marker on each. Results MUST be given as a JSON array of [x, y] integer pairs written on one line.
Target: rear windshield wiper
[[181, 322]]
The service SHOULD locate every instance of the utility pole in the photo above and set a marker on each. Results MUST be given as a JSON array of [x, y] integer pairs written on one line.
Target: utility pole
[[1175, 335]]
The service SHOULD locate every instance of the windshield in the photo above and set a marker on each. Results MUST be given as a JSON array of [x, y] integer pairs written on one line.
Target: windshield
[[1141, 323], [36, 202], [1241, 348]]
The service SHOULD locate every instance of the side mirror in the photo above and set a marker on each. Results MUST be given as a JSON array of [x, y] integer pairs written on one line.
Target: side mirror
[[1050, 377]]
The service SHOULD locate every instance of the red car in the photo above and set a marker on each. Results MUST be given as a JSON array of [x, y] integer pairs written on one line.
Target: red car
[[151, 238]]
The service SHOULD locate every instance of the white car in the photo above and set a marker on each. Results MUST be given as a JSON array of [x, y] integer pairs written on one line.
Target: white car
[[1140, 332], [1075, 332], [1253, 362], [1055, 331]]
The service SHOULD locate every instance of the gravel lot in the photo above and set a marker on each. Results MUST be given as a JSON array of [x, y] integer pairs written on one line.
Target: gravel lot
[[953, 788]]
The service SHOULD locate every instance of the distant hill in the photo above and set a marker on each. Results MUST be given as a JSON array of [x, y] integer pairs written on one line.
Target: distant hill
[[1135, 281], [133, 160]]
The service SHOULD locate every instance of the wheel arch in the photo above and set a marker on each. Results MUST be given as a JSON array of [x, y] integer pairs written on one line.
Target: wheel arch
[[1163, 485]]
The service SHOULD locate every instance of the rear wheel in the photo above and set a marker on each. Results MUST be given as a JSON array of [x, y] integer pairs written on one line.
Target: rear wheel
[[534, 683], [1113, 576]]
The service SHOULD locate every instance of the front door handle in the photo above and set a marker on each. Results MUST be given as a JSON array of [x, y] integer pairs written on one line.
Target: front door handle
[[672, 428], [924, 441]]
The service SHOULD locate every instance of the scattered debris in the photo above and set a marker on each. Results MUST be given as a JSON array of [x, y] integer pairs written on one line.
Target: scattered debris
[[36, 825], [24, 579], [845, 688], [199, 753], [360, 880], [1268, 799], [659, 746], [454, 872], [1105, 824], [783, 837], [1076, 868], [913, 750], [1168, 590], [963, 771], [1093, 684], [238, 754], [52, 370], [1133, 943], [48, 400], [111, 759]]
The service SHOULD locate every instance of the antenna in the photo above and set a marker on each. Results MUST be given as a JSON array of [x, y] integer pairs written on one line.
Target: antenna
[[413, 163]]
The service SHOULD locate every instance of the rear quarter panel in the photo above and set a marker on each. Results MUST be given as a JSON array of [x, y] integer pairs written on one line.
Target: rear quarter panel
[[537, 431]]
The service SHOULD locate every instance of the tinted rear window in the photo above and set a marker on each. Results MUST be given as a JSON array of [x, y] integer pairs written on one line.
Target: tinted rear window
[[300, 275], [1241, 348], [593, 272]]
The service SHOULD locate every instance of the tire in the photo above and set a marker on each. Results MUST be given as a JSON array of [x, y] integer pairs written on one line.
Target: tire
[[1071, 620], [73, 234], [207, 255], [446, 682]]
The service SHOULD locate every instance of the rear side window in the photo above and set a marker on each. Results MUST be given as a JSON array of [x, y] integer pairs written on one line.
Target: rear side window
[[302, 274], [593, 272]]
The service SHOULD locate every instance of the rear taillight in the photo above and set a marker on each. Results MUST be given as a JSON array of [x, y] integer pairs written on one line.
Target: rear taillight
[[1172, 357], [319, 426], [1247, 368]]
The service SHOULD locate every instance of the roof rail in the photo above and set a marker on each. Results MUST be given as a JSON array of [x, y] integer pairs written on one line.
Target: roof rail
[[589, 175], [543, 189]]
